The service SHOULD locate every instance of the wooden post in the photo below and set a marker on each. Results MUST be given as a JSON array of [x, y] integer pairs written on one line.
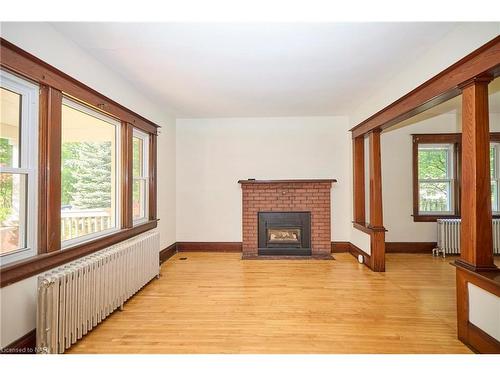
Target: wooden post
[[476, 234], [358, 157], [153, 180], [377, 241], [376, 216]]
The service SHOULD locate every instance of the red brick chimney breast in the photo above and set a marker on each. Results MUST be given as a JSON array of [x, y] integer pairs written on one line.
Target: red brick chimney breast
[[288, 195]]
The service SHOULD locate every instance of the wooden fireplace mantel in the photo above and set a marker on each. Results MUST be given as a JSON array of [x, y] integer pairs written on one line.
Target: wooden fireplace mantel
[[318, 180]]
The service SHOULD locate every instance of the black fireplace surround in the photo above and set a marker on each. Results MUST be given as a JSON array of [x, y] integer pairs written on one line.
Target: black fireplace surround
[[284, 233]]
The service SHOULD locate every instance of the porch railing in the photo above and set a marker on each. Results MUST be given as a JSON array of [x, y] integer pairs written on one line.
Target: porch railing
[[76, 223]]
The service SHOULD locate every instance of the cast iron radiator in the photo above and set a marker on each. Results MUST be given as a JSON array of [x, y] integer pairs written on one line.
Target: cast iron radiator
[[448, 237], [74, 298]]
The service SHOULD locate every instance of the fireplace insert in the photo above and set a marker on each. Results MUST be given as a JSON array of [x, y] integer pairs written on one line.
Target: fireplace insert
[[284, 233]]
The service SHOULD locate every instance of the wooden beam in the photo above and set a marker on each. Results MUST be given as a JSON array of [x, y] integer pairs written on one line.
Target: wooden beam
[[476, 233], [377, 238], [436, 90], [358, 152]]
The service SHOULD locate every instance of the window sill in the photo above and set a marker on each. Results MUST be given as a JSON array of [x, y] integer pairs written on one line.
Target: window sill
[[23, 269], [431, 218]]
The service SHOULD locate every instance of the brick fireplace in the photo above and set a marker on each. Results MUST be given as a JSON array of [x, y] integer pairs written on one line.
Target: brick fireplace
[[287, 199]]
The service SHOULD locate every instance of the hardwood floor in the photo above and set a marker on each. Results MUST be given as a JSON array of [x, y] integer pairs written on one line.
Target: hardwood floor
[[217, 303]]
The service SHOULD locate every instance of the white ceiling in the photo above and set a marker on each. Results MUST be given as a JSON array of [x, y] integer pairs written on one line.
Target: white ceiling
[[256, 69]]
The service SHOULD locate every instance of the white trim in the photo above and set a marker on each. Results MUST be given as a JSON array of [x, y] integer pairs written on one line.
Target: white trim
[[145, 173], [29, 160], [112, 121], [450, 148], [88, 237], [496, 167]]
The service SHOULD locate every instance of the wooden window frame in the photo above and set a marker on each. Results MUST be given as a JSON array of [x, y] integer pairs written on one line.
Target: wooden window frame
[[447, 138], [144, 137], [441, 138], [55, 84]]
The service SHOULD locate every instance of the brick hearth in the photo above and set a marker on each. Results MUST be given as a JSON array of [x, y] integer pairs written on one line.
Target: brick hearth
[[288, 195]]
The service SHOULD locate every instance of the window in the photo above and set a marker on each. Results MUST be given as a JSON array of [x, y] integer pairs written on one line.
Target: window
[[140, 167], [90, 190], [436, 163], [67, 179], [435, 179], [18, 167]]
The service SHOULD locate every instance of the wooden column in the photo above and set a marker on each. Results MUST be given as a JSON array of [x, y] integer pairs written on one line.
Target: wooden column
[[376, 216], [377, 241], [153, 180], [50, 174], [358, 157], [476, 234]]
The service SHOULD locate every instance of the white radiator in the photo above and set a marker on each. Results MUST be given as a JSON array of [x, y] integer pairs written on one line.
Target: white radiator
[[74, 298], [448, 237]]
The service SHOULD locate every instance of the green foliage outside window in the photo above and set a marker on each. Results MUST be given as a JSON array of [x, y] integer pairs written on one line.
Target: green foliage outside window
[[136, 167], [5, 180], [433, 165], [86, 174]]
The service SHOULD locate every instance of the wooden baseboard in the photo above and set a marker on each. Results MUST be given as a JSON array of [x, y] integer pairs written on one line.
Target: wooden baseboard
[[167, 252], [337, 247], [410, 247], [341, 246], [356, 251], [23, 345], [224, 247]]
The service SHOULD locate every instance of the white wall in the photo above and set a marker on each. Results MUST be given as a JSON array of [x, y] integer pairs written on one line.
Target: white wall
[[213, 154], [484, 310], [397, 180], [18, 300]]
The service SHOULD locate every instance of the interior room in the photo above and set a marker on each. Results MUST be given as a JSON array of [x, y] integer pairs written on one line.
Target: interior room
[[250, 188]]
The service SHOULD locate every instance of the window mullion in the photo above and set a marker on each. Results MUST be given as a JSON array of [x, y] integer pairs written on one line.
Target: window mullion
[[50, 217]]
